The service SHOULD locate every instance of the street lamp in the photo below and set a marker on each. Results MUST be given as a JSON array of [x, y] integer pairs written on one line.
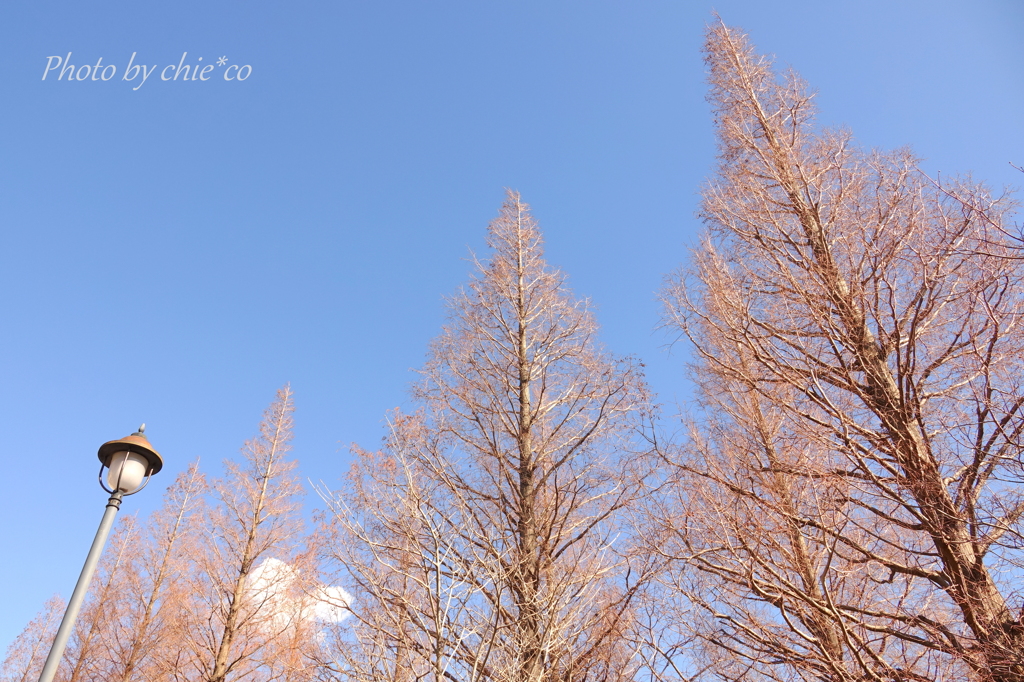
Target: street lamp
[[129, 463]]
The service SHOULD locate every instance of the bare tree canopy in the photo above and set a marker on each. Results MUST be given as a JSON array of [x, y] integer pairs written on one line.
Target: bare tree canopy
[[236, 623], [27, 653], [846, 503], [849, 505], [485, 541]]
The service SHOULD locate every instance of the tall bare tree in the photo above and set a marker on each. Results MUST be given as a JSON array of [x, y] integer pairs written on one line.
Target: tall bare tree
[[487, 540], [255, 518], [850, 503]]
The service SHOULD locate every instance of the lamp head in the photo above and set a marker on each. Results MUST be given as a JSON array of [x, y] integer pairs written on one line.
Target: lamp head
[[129, 460]]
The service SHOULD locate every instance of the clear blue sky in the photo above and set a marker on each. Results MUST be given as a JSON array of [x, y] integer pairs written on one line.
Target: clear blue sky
[[174, 254]]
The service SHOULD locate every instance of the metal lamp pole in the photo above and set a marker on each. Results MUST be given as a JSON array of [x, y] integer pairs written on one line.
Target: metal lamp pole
[[130, 462]]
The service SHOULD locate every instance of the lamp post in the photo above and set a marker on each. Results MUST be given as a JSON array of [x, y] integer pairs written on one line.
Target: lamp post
[[129, 463]]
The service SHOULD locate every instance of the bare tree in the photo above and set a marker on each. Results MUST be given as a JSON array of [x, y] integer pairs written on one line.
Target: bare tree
[[488, 539], [234, 615], [87, 655], [146, 640], [27, 653], [849, 506]]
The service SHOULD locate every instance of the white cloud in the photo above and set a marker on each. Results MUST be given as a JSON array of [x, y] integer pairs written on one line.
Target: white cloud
[[273, 583]]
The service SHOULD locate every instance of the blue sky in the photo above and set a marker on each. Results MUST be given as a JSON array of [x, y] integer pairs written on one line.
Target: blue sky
[[175, 253]]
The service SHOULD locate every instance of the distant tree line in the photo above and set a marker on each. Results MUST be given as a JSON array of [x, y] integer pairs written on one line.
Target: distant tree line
[[843, 503]]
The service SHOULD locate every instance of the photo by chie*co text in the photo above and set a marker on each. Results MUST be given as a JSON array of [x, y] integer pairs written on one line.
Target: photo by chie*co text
[[62, 68]]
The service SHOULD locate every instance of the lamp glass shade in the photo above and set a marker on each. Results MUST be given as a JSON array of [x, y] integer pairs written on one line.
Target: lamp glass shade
[[127, 471]]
